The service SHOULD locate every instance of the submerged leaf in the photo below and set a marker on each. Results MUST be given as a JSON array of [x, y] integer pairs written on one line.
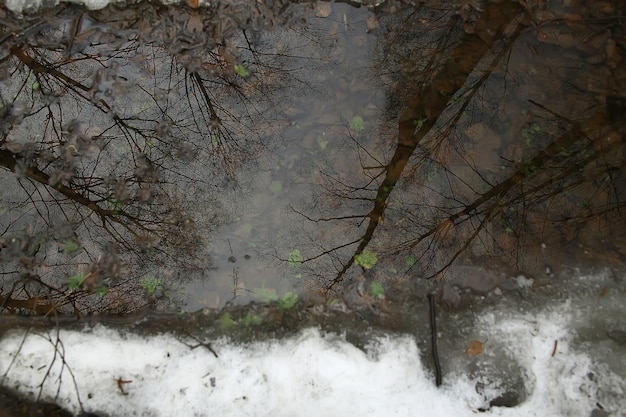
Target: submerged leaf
[[70, 246], [276, 187], [367, 259], [295, 258], [475, 348], [266, 294], [322, 142], [75, 281], [241, 70], [377, 290], [357, 124]]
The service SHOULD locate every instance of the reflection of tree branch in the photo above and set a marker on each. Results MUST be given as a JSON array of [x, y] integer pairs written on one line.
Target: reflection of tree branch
[[555, 148], [428, 104], [10, 160], [484, 221], [328, 219], [79, 88], [39, 68], [561, 146], [323, 253], [207, 99]]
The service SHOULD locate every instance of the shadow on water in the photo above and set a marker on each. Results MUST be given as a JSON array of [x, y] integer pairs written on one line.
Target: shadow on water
[[161, 158]]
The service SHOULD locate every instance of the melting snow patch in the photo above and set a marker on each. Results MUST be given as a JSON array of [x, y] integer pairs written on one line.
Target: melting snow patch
[[104, 371], [524, 282]]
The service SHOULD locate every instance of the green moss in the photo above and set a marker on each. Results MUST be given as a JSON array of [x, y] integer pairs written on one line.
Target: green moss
[[251, 319], [226, 321]]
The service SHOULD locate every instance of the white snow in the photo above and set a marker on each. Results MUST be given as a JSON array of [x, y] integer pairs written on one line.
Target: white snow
[[19, 6], [313, 374]]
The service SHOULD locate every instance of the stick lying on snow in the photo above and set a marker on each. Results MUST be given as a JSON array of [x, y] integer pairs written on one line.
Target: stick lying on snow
[[433, 335]]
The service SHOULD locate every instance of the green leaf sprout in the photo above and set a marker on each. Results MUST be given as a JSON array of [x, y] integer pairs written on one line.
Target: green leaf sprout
[[150, 284], [75, 281], [251, 319], [377, 290], [367, 259], [288, 301], [226, 321], [241, 70], [295, 258], [357, 124]]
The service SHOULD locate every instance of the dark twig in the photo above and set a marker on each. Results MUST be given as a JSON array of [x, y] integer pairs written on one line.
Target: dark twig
[[433, 333], [200, 343]]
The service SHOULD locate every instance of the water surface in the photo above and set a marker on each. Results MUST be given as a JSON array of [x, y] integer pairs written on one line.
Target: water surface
[[186, 158]]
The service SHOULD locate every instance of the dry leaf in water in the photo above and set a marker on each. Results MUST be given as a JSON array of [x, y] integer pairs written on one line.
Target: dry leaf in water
[[603, 292], [372, 23], [475, 348], [323, 10]]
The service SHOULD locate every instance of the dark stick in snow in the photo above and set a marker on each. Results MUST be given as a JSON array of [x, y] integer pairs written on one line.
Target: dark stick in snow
[[433, 334]]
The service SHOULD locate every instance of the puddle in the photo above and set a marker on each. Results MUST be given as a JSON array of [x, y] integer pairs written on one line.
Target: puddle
[[160, 159]]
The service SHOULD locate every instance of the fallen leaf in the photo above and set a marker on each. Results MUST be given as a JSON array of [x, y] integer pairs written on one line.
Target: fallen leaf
[[372, 23], [475, 348], [603, 292], [323, 10]]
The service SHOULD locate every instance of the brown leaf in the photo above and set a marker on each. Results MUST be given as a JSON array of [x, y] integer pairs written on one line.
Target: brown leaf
[[323, 10], [475, 348], [372, 23], [603, 292]]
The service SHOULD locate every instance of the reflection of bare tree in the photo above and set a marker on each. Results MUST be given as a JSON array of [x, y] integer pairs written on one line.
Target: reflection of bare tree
[[551, 171], [118, 134], [450, 206]]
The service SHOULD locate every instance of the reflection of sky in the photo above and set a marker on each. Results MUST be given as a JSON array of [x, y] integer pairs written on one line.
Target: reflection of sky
[[328, 85]]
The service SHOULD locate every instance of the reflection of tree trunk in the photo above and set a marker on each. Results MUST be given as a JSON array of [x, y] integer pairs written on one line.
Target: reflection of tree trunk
[[9, 160], [79, 88], [427, 105], [207, 99], [39, 68]]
